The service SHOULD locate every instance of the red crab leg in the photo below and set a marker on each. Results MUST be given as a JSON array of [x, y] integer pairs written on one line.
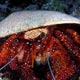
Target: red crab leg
[[68, 42], [19, 52], [15, 51], [24, 60], [27, 73], [74, 34], [60, 62], [4, 52]]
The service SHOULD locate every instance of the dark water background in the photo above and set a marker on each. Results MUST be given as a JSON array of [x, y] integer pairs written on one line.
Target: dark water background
[[71, 7]]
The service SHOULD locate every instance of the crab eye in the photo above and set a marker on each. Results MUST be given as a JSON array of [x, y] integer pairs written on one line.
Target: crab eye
[[42, 34]]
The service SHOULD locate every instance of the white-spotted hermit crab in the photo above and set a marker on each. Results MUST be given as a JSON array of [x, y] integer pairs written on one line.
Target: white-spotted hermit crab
[[40, 45]]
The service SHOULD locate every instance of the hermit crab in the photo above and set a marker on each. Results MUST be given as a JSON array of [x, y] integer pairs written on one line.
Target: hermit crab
[[40, 45]]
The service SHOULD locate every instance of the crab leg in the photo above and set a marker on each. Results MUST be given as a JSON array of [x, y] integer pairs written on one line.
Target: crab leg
[[74, 34], [27, 73], [4, 52], [60, 62], [28, 62], [68, 42]]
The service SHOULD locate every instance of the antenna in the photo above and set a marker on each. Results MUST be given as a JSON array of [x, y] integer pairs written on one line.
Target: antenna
[[8, 63], [53, 78]]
